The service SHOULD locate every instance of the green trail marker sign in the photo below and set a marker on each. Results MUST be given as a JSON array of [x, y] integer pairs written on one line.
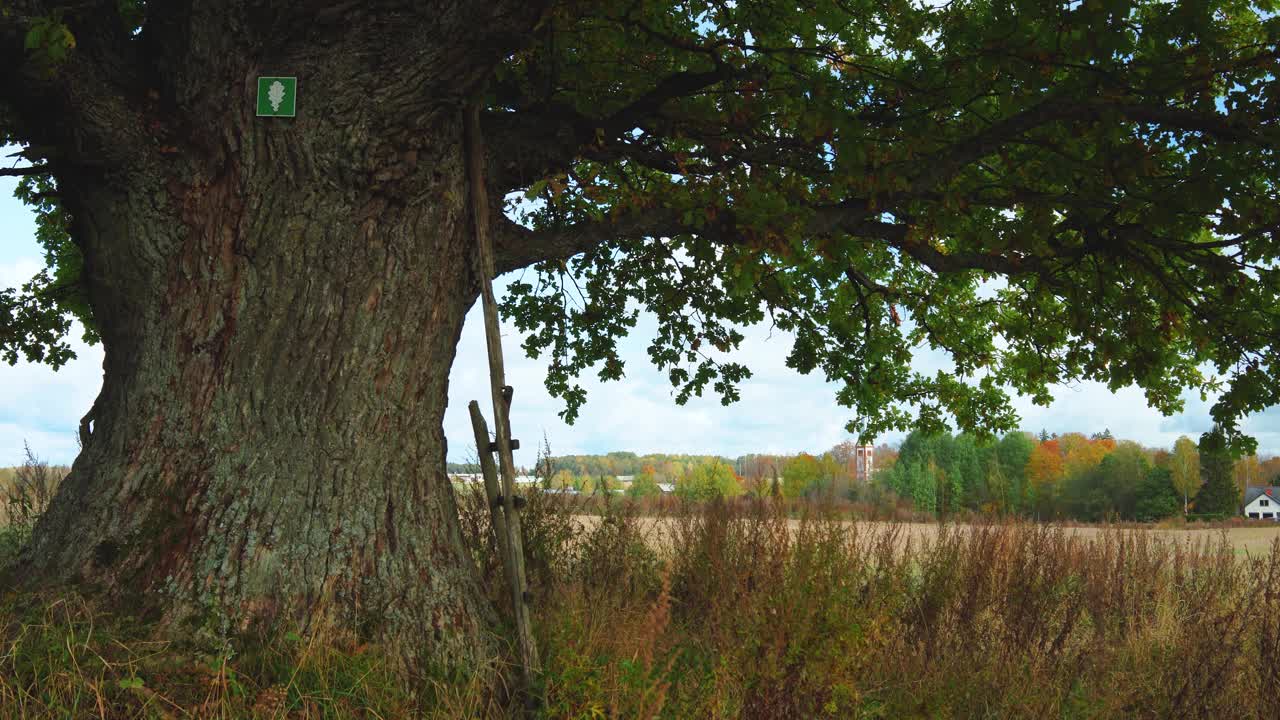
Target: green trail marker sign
[[277, 96]]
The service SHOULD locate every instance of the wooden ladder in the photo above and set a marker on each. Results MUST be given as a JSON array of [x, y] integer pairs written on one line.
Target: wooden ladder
[[500, 482]]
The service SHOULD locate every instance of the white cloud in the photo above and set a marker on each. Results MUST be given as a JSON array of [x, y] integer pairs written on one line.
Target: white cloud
[[19, 271], [43, 406], [55, 448], [780, 410]]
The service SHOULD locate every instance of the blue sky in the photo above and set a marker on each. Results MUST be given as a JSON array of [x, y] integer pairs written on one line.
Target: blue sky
[[780, 410]]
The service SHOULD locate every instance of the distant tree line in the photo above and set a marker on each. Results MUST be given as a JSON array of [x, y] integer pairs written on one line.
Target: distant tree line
[[1072, 476], [1046, 476], [826, 474], [627, 463]]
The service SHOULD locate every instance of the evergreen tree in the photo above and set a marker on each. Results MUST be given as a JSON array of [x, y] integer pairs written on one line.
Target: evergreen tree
[[1218, 495], [965, 473], [1157, 498], [996, 491], [1014, 450]]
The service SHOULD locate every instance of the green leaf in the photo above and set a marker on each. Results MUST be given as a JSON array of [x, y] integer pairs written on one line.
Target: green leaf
[[35, 36], [536, 189], [130, 683]]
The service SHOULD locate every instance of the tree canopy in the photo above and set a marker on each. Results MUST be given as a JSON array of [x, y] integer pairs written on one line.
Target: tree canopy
[[1050, 192]]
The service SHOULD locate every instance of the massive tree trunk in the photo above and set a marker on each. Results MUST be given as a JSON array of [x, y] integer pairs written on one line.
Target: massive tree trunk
[[268, 438], [279, 301]]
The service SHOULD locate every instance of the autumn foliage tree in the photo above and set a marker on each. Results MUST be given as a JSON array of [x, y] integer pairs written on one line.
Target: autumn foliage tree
[[1247, 472], [1270, 470], [1108, 487], [1044, 471], [280, 298]]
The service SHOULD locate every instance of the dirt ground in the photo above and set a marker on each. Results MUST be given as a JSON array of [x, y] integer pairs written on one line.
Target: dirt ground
[[1246, 541]]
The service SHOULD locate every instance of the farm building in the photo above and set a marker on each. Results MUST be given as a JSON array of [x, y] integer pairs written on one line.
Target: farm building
[[1260, 502]]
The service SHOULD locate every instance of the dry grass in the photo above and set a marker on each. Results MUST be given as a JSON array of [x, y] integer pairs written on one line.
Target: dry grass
[[25, 493], [739, 610], [765, 615], [64, 658]]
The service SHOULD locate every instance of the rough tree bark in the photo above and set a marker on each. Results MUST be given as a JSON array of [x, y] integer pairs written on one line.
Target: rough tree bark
[[279, 302]]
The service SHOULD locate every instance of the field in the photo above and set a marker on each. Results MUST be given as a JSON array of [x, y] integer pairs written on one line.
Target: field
[[1248, 541]]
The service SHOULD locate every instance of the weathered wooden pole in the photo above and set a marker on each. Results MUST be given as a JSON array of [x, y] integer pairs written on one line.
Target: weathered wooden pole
[[501, 397], [493, 492]]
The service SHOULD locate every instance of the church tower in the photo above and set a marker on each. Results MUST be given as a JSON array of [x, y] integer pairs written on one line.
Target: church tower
[[862, 463]]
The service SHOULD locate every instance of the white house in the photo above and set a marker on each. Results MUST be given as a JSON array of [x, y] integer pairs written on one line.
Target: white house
[[1262, 502]]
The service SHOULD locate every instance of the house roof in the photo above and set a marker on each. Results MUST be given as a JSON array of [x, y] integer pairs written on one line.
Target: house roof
[[1253, 492]]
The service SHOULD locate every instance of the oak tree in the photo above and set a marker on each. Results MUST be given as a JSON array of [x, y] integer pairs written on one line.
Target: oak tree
[[1049, 192]]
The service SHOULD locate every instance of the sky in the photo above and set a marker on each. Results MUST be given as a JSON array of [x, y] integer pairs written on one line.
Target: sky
[[780, 411]]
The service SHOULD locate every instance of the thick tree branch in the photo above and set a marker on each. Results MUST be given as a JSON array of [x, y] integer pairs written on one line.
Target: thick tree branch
[[540, 140], [24, 171], [517, 246], [947, 162], [83, 105]]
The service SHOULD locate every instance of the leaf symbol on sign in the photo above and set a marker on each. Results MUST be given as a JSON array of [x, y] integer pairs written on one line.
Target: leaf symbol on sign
[[276, 95]]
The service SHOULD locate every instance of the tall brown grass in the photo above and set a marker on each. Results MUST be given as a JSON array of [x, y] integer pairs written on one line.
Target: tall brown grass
[[758, 617], [25, 493], [734, 609]]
